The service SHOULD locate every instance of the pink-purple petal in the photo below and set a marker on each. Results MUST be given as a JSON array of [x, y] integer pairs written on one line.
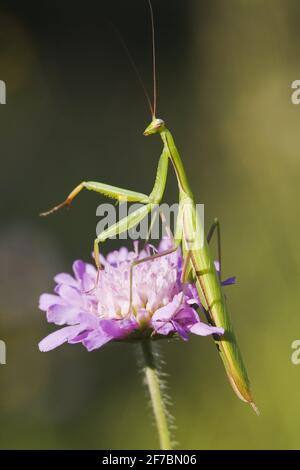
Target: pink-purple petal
[[229, 281], [186, 315], [46, 300], [96, 339], [65, 278], [80, 337], [89, 320], [62, 314], [118, 328], [79, 268], [88, 282], [181, 330], [202, 329], [163, 327], [217, 266], [166, 312], [59, 337], [71, 295]]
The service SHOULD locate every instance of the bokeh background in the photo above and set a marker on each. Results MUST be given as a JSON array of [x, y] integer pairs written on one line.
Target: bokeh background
[[75, 111]]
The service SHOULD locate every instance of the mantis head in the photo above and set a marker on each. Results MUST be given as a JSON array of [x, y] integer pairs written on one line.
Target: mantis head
[[156, 125]]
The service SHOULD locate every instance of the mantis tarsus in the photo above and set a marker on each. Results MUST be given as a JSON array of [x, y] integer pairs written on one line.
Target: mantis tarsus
[[198, 261]]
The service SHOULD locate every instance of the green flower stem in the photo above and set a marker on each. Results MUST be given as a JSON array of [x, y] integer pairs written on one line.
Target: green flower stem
[[154, 386]]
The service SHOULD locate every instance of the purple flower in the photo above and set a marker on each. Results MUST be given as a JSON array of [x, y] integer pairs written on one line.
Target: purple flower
[[94, 315]]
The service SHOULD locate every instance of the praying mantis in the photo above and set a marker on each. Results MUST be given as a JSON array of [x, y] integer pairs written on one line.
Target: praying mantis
[[199, 265]]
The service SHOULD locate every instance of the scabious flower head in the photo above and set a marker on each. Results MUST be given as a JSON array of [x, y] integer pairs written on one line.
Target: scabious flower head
[[162, 306]]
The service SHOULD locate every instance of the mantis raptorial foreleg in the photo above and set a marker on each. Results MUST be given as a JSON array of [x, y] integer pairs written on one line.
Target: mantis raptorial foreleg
[[121, 226]]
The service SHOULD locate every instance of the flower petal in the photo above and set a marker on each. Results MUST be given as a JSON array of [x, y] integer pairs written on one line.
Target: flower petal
[[217, 266], [63, 314], [96, 339], [80, 337], [118, 328], [46, 300], [191, 293], [79, 268], [70, 295], [166, 313], [117, 256], [229, 281], [202, 329], [88, 282], [65, 278], [187, 316], [59, 337], [164, 327], [90, 320], [181, 331], [162, 318]]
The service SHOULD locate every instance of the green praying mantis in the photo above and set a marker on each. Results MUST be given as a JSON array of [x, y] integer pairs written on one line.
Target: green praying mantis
[[198, 264]]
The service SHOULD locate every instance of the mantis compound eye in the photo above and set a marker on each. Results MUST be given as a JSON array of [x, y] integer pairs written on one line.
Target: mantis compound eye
[[159, 122]]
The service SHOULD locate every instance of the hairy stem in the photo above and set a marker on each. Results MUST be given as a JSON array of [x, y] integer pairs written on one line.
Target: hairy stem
[[157, 401]]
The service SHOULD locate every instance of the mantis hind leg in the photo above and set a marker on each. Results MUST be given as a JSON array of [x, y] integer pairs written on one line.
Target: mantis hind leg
[[216, 226]]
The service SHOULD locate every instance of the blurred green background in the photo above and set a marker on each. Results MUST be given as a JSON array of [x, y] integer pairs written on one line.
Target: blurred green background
[[75, 111]]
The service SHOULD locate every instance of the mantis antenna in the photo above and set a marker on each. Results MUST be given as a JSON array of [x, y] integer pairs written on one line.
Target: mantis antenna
[[132, 63], [153, 106], [153, 60]]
